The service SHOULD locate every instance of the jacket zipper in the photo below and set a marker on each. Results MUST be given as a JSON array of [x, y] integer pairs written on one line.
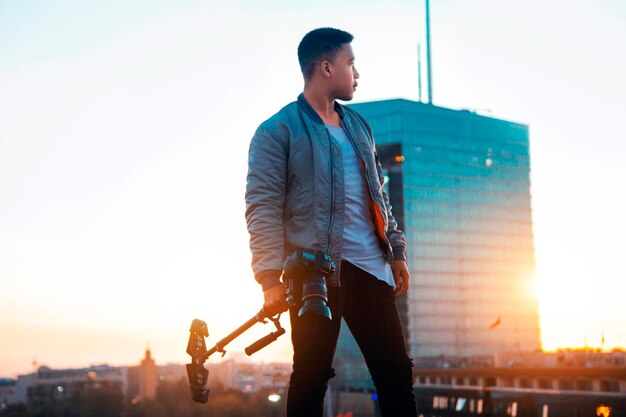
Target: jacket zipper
[[332, 191]]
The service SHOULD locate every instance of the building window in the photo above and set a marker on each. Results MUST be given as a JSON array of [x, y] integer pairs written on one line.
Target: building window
[[440, 402], [566, 384], [545, 383], [609, 385], [583, 385], [460, 404], [512, 409], [507, 382]]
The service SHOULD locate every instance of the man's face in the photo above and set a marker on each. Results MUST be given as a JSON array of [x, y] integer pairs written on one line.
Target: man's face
[[344, 74]]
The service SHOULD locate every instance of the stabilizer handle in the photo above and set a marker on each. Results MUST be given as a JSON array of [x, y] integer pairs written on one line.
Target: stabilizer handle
[[264, 341]]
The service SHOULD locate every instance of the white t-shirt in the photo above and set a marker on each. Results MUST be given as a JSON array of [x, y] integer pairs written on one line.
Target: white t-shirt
[[360, 244]]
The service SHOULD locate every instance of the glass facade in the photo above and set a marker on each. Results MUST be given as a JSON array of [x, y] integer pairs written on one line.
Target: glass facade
[[460, 189]]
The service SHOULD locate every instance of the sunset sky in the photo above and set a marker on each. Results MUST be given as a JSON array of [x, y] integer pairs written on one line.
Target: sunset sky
[[124, 129]]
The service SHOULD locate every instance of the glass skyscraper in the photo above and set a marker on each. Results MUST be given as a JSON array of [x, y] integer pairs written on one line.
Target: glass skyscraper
[[460, 189]]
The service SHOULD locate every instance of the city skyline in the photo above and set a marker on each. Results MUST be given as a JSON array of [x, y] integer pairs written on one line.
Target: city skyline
[[124, 143]]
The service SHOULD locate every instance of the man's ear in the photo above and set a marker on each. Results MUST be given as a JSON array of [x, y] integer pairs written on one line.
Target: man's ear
[[325, 67]]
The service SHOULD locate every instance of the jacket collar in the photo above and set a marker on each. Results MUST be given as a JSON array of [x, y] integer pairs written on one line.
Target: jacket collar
[[304, 105]]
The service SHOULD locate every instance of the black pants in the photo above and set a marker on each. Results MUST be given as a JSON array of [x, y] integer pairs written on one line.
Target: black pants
[[368, 307]]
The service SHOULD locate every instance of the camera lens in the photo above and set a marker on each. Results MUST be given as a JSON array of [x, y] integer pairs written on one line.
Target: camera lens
[[315, 296]]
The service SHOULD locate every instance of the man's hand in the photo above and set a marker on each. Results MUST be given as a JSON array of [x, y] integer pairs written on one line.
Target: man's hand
[[401, 276], [275, 299]]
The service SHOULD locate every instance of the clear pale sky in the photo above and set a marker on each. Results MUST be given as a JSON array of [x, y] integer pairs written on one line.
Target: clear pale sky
[[124, 129]]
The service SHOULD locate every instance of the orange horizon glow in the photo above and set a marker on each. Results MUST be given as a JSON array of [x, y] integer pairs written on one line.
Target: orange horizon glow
[[56, 347]]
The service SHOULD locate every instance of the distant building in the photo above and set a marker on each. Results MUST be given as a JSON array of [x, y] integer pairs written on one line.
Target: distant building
[[172, 373], [250, 377], [8, 393], [275, 376], [148, 377], [166, 373], [569, 382], [132, 389], [564, 370], [224, 373], [139, 381], [55, 384]]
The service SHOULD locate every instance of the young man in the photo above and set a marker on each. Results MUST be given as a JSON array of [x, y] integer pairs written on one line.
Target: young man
[[314, 182]]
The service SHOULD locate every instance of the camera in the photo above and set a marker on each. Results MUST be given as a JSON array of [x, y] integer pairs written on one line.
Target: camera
[[310, 270]]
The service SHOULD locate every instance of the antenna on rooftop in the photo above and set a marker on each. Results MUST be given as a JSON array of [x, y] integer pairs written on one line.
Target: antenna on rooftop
[[419, 72], [428, 59]]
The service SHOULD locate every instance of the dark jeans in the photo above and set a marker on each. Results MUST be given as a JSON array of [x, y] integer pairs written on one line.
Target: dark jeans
[[368, 307]]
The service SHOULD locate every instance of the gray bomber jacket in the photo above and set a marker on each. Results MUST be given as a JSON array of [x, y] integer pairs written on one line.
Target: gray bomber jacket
[[295, 190]]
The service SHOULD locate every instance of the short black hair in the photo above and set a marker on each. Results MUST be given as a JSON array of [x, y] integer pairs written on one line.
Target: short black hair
[[319, 45]]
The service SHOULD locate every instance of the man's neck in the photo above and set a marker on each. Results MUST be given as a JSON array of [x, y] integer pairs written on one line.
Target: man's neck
[[324, 106]]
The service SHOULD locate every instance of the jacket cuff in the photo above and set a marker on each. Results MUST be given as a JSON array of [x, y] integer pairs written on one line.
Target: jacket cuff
[[399, 253], [268, 278]]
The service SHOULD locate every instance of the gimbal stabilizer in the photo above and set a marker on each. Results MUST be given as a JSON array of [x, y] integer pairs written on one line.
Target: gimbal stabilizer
[[196, 347], [310, 270]]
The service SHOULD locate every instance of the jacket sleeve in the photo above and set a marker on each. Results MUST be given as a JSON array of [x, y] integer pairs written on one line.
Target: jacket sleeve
[[265, 196], [396, 237]]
